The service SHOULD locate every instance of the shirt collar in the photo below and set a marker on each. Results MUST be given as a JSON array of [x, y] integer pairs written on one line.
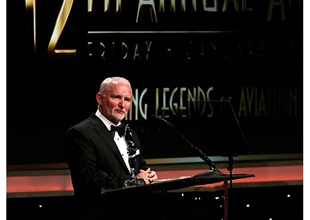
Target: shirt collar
[[105, 120]]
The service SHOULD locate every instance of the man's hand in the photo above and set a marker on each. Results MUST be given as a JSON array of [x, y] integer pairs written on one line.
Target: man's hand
[[148, 175]]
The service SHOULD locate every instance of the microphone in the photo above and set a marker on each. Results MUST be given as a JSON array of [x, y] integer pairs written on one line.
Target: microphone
[[202, 155]]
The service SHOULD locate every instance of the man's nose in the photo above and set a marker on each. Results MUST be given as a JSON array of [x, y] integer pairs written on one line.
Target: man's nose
[[122, 102]]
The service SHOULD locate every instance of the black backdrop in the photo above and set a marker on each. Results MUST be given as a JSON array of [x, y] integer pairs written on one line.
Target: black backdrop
[[251, 55]]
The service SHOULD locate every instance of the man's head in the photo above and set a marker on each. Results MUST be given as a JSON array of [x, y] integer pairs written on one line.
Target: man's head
[[114, 98]]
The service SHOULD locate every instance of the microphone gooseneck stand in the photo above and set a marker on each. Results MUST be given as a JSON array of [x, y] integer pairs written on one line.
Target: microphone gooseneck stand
[[202, 155], [213, 170]]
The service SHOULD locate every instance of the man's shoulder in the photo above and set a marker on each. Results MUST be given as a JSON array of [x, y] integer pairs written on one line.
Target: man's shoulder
[[92, 118]]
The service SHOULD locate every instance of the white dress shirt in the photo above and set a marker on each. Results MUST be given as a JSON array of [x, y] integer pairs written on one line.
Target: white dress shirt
[[120, 141]]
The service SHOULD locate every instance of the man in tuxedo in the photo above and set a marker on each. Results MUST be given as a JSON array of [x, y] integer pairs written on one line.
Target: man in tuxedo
[[102, 154]]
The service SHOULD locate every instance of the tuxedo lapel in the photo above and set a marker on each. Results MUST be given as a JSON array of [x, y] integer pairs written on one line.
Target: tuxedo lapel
[[106, 138]]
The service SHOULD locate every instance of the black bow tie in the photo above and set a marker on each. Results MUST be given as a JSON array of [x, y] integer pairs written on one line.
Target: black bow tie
[[120, 129]]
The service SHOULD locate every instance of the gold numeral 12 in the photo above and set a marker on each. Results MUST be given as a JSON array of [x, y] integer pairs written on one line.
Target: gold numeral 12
[[59, 27]]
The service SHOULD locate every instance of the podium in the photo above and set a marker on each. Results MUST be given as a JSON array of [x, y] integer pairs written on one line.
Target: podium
[[208, 177]]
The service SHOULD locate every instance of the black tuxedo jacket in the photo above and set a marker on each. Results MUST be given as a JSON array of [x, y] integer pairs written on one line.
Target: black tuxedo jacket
[[94, 160]]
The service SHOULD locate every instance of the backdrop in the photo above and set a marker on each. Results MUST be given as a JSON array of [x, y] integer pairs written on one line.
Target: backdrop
[[182, 58]]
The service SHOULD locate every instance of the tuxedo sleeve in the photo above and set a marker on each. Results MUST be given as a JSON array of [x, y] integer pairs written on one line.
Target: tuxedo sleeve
[[91, 170]]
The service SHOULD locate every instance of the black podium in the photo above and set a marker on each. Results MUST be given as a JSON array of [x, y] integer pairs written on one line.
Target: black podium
[[208, 177]]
